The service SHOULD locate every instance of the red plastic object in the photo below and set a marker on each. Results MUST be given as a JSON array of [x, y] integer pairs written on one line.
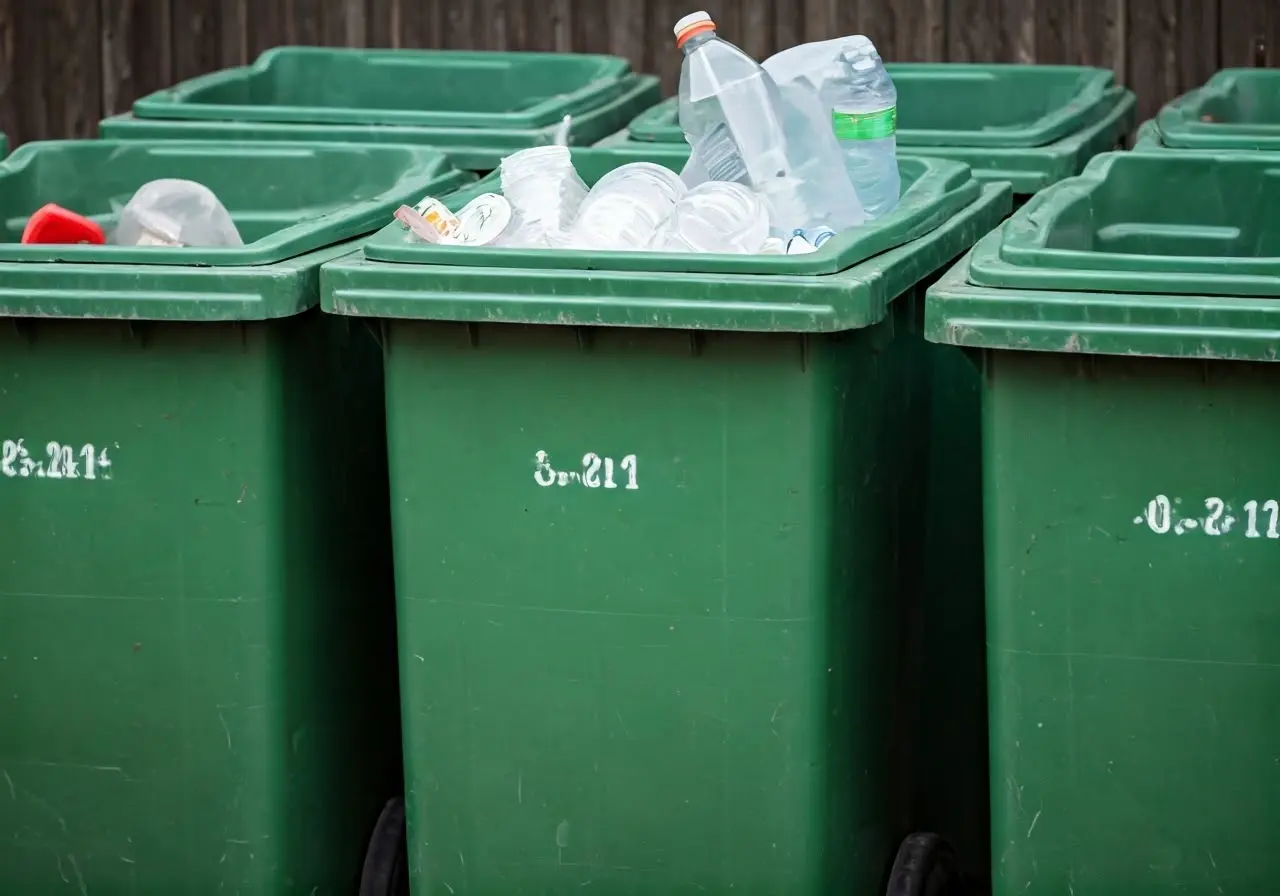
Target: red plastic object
[[55, 224]]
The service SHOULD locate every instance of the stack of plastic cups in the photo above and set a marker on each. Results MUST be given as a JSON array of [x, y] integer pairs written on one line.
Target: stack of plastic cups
[[626, 206], [544, 190], [716, 216]]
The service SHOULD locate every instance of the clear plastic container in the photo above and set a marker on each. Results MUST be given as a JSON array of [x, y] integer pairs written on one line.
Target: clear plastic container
[[716, 216], [849, 80], [172, 212], [625, 207], [742, 131], [543, 187]]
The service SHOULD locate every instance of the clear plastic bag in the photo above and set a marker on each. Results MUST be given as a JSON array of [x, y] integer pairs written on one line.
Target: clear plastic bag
[[171, 212]]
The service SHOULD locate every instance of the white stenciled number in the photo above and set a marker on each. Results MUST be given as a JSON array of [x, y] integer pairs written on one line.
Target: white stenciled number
[[9, 457], [591, 464], [590, 475], [629, 467], [542, 472], [1272, 509], [61, 463], [1212, 523], [1159, 514]]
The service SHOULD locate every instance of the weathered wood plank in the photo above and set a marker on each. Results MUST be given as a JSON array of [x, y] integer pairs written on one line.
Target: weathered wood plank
[[1250, 33], [72, 67], [196, 32], [137, 51]]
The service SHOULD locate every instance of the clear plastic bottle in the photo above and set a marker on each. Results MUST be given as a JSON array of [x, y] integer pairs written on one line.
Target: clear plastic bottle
[[865, 121], [741, 130], [849, 80]]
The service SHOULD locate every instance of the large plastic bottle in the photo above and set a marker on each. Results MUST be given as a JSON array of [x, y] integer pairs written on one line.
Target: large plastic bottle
[[734, 117], [855, 91]]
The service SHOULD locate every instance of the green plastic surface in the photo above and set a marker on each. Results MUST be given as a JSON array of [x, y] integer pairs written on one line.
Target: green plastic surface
[[196, 614], [1028, 169], [1119, 228], [569, 295], [1147, 137], [959, 104], [424, 88], [932, 191], [286, 199], [1237, 108], [1131, 521], [690, 685], [1205, 326], [4, 146]]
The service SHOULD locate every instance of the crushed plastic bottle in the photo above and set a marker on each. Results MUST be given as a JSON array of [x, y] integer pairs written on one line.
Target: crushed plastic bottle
[[849, 80], [716, 216], [171, 212], [741, 130], [626, 206]]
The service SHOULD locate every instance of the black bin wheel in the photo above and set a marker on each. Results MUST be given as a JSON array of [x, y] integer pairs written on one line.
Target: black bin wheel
[[386, 871], [925, 866]]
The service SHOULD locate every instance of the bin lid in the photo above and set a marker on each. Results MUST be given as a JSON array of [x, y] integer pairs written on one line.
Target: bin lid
[[1174, 223], [286, 198], [958, 104], [932, 191], [784, 302], [1237, 108], [424, 88]]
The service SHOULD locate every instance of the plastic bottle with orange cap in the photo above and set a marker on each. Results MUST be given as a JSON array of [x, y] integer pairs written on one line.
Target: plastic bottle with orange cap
[[742, 130]]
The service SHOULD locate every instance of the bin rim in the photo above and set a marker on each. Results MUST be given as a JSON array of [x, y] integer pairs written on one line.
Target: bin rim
[[1024, 258], [177, 102], [659, 125], [1029, 170], [484, 148], [1204, 327], [1181, 125], [937, 189], [799, 303], [423, 170]]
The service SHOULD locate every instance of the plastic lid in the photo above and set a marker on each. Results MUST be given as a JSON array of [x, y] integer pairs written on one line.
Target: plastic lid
[[691, 24], [57, 225]]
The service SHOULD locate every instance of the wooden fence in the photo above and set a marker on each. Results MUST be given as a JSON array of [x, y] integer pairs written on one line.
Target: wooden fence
[[64, 64]]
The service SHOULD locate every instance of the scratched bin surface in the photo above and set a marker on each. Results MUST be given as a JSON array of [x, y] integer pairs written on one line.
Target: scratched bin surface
[[195, 607], [1132, 527], [650, 536]]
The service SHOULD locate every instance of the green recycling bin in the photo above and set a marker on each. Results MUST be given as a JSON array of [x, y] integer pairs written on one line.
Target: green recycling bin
[[1127, 336], [479, 106], [4, 145], [196, 611], [1028, 125], [1236, 109], [652, 516]]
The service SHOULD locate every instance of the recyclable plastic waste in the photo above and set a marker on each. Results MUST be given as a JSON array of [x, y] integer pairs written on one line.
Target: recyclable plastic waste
[[626, 207], [848, 79], [716, 216], [784, 156], [171, 212], [742, 130]]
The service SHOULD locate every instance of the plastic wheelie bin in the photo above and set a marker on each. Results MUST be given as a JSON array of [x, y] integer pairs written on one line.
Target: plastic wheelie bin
[[4, 146], [1128, 336], [479, 106], [651, 518], [195, 600], [1028, 125], [1236, 109]]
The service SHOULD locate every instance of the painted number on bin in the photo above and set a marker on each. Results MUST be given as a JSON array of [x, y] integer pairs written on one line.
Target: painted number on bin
[[1166, 516], [53, 460], [594, 472]]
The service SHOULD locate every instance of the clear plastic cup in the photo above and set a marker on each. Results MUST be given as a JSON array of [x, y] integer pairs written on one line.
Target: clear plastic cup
[[542, 186]]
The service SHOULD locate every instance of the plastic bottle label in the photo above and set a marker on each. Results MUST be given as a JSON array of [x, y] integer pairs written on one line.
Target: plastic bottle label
[[865, 125]]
